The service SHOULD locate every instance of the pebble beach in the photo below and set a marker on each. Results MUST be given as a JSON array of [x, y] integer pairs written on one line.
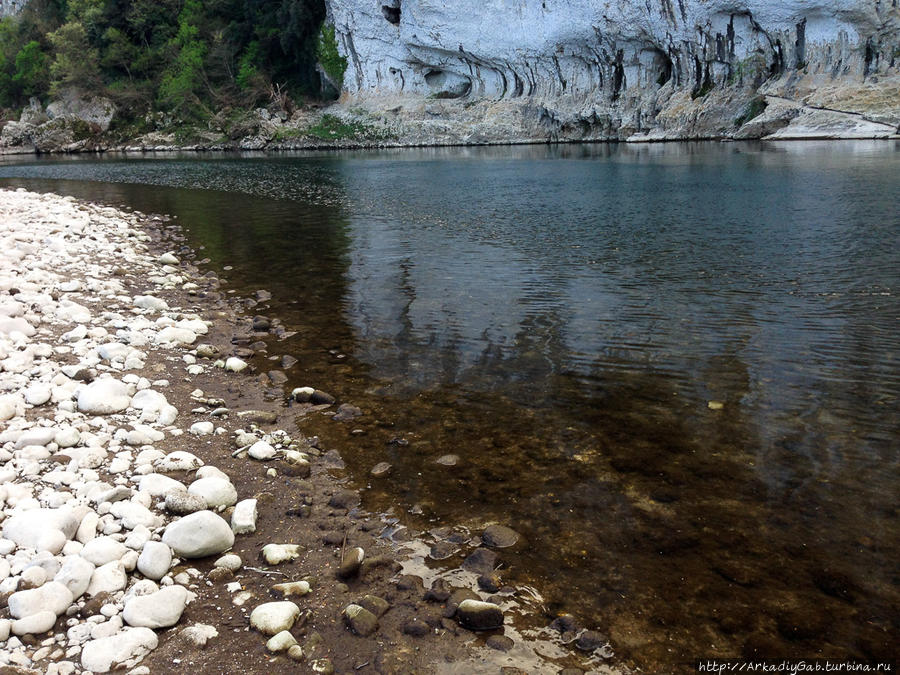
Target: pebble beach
[[158, 514]]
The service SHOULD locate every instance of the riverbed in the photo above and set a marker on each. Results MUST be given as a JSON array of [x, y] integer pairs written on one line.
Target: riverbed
[[673, 369]]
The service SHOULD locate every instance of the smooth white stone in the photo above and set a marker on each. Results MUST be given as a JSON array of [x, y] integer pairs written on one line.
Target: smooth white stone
[[216, 491], [52, 596], [155, 560], [75, 574], [103, 397], [202, 428], [198, 535], [157, 610], [102, 550], [271, 618], [262, 451], [108, 578], [234, 364], [243, 519], [124, 649]]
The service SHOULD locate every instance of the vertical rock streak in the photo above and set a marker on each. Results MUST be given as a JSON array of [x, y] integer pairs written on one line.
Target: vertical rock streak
[[684, 67]]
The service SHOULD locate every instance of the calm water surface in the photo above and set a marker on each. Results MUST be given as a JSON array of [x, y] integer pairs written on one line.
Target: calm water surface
[[561, 319]]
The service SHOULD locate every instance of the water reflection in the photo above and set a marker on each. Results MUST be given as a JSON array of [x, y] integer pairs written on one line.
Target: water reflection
[[560, 318]]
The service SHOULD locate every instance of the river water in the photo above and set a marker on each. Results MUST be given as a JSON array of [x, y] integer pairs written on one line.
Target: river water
[[673, 369]]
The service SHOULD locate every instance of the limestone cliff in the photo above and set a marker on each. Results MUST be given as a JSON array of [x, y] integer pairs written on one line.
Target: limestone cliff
[[11, 7], [482, 70]]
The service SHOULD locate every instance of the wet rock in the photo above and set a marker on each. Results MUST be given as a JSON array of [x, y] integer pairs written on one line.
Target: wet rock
[[490, 582], [258, 416], [288, 361], [347, 412], [261, 324], [438, 591], [442, 550], [360, 620], [499, 536], [275, 554], [350, 565], [271, 618], [378, 606], [457, 597], [344, 499], [381, 470], [322, 666], [565, 623], [319, 397], [302, 394], [448, 460], [480, 561], [416, 628], [590, 640], [199, 535], [478, 615], [500, 642]]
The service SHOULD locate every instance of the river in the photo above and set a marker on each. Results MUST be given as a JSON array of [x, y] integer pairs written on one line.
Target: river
[[674, 369]]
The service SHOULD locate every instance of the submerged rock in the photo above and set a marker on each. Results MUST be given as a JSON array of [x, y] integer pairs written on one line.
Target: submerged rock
[[478, 615]]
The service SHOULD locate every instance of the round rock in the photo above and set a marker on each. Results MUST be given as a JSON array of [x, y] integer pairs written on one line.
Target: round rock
[[216, 491], [271, 618], [156, 610], [155, 560], [478, 615], [199, 535], [499, 536], [104, 397]]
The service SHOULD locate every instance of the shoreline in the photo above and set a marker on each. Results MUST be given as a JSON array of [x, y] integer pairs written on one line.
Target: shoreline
[[280, 148], [94, 296]]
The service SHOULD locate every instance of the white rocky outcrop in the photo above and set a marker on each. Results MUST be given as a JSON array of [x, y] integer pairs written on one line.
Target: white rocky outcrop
[[623, 70]]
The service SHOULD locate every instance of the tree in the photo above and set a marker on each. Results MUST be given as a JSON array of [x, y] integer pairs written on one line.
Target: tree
[[76, 64], [177, 91], [32, 75]]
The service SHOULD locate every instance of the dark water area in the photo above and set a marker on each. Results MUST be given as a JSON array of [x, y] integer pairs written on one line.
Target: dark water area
[[674, 369]]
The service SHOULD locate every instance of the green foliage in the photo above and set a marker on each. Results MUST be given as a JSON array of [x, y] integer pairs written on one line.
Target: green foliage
[[32, 75], [248, 72], [76, 64], [332, 128], [755, 108], [186, 56], [180, 81], [330, 59]]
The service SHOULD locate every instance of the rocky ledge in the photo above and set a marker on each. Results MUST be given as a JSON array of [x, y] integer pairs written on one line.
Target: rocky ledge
[[156, 511]]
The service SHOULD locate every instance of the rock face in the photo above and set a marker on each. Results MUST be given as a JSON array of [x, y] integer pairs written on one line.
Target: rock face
[[632, 70]]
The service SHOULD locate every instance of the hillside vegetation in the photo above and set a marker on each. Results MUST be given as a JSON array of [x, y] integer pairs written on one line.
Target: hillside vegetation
[[187, 59]]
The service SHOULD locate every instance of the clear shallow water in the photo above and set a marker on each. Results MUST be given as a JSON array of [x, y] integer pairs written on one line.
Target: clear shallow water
[[560, 318]]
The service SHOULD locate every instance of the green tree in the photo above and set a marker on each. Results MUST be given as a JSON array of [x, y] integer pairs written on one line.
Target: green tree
[[76, 64], [32, 76], [181, 80]]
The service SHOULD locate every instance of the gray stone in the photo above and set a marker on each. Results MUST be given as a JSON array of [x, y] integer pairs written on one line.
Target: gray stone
[[156, 610], [478, 615], [182, 503], [199, 535], [499, 536], [360, 620]]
